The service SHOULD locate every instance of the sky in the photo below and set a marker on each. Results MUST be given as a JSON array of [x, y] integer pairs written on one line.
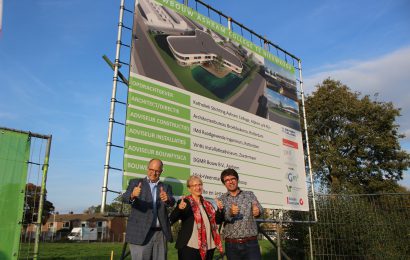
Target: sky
[[54, 81]]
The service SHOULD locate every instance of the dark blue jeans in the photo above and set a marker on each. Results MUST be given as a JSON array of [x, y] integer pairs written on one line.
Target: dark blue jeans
[[246, 251]]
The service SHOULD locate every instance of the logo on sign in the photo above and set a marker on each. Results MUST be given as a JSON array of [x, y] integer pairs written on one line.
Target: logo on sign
[[292, 177], [290, 143], [289, 132], [292, 201], [289, 155]]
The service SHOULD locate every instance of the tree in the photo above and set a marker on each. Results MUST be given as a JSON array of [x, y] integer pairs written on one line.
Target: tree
[[97, 209], [92, 209], [354, 141], [218, 63], [32, 202], [115, 206]]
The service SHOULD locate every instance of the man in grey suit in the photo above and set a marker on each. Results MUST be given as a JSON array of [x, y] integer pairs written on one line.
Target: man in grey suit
[[148, 228]]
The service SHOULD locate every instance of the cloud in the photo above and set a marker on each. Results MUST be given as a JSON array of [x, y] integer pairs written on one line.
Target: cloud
[[387, 76], [406, 180], [16, 73], [6, 115]]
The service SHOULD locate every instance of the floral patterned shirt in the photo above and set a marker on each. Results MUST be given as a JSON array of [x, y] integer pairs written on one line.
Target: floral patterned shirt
[[244, 224]]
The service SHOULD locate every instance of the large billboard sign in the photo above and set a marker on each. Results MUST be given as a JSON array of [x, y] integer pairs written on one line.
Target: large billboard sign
[[202, 99]]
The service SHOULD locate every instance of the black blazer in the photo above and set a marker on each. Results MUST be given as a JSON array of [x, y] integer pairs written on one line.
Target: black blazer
[[186, 216]]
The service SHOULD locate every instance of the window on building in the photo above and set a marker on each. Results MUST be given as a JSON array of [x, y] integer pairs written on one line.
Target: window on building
[[66, 224], [99, 224]]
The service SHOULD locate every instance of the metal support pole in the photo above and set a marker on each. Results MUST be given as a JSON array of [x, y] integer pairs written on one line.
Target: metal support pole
[[310, 243], [112, 110], [305, 126], [265, 44], [42, 196], [278, 229], [54, 226], [230, 23], [312, 187]]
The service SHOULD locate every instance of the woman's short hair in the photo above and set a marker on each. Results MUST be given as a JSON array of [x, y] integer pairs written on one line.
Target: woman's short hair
[[191, 178]]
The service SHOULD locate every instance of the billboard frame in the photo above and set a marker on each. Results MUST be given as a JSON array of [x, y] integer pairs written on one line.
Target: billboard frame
[[265, 43]]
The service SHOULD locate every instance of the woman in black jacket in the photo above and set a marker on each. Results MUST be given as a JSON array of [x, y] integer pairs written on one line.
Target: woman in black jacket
[[198, 236]]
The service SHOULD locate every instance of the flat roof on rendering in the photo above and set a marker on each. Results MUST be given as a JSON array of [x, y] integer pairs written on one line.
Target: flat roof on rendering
[[160, 17], [201, 43]]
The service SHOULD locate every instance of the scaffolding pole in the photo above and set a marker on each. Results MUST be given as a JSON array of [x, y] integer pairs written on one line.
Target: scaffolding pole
[[112, 109], [42, 198], [312, 186]]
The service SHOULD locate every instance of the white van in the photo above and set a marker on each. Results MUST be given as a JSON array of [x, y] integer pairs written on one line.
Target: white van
[[83, 234]]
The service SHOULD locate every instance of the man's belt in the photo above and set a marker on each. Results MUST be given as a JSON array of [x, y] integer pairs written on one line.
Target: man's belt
[[240, 240], [156, 228]]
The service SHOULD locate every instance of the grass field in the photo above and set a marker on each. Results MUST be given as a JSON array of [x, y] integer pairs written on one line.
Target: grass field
[[103, 251]]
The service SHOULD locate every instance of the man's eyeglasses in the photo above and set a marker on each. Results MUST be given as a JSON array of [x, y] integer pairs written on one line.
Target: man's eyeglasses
[[155, 171], [230, 180]]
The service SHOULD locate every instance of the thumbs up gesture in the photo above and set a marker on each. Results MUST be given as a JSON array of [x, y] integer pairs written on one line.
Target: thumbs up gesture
[[162, 194], [219, 204], [136, 191], [255, 209], [182, 204], [234, 209]]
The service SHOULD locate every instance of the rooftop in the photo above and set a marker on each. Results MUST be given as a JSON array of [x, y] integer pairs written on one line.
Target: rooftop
[[201, 43]]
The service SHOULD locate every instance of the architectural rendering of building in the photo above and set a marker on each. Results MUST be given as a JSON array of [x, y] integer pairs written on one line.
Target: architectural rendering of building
[[201, 48], [159, 18]]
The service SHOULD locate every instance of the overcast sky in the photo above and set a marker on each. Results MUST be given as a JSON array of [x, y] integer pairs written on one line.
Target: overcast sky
[[54, 81]]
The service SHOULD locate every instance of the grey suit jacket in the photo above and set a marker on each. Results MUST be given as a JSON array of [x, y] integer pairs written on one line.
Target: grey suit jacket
[[141, 217]]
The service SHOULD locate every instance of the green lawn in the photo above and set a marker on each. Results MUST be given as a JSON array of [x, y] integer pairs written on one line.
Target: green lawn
[[99, 250]]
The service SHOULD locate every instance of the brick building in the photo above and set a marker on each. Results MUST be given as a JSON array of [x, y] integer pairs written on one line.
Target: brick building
[[59, 225]]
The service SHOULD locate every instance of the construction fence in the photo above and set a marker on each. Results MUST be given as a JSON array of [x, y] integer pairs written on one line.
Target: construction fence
[[368, 226]]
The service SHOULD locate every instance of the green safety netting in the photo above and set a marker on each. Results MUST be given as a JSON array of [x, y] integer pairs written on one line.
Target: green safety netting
[[14, 155]]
